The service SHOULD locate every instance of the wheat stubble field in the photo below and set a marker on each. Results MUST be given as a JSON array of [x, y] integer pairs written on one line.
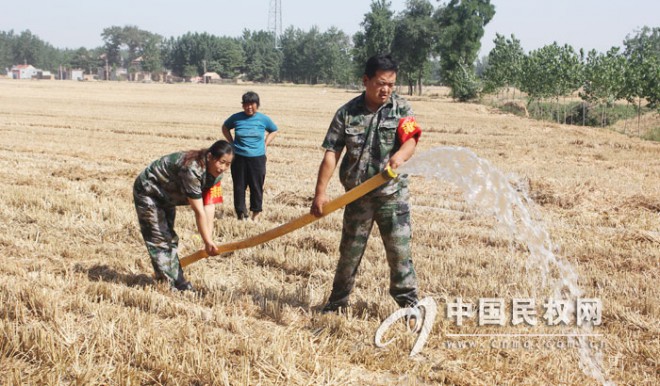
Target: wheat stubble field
[[78, 304]]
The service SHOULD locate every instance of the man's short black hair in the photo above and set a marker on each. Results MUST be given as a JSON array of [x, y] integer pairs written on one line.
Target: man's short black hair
[[380, 62], [251, 97]]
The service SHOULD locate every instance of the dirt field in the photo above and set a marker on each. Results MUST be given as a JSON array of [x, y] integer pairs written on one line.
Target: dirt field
[[78, 304]]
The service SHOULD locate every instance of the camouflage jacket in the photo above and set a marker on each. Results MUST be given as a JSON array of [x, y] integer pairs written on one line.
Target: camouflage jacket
[[370, 140], [171, 183]]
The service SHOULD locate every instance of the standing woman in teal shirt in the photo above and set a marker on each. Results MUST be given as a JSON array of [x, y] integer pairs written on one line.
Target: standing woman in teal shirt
[[253, 132]]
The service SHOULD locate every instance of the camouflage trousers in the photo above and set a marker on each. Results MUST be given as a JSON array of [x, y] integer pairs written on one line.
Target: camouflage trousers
[[157, 228], [392, 214]]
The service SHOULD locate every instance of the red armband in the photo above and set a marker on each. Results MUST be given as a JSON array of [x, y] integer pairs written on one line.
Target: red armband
[[408, 128], [212, 195]]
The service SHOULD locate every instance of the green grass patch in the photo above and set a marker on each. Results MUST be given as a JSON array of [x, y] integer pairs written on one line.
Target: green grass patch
[[572, 113], [653, 135]]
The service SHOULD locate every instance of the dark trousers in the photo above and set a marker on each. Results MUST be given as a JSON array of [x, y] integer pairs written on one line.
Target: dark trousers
[[248, 172]]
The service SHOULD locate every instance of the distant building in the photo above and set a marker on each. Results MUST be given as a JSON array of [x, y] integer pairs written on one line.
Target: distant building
[[23, 71], [45, 75], [120, 73], [211, 77], [77, 74]]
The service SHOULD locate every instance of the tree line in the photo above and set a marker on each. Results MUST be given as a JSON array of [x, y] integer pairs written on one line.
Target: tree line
[[554, 72], [415, 36], [434, 45]]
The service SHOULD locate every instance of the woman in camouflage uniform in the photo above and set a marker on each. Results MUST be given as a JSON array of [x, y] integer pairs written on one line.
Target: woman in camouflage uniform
[[178, 179]]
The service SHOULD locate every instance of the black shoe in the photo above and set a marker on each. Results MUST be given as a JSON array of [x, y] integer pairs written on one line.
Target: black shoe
[[183, 286], [334, 307]]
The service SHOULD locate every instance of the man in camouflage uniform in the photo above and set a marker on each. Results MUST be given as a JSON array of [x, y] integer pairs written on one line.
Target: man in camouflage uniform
[[173, 180], [369, 127]]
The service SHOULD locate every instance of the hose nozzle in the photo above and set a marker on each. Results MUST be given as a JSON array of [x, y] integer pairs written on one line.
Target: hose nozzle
[[391, 173]]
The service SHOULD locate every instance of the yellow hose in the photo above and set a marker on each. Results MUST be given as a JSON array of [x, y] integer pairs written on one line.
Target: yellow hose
[[339, 202]]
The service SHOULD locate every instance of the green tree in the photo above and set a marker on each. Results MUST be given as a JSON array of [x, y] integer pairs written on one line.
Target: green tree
[[465, 84], [572, 70], [6, 50], [552, 71], [536, 77], [225, 56], [413, 42], [193, 53], [333, 61], [378, 28], [113, 40], [30, 49], [300, 50], [313, 57], [645, 38], [134, 39], [461, 26], [262, 59], [180, 53], [290, 56], [643, 73], [505, 62], [190, 71], [136, 44], [151, 53], [87, 60], [603, 78]]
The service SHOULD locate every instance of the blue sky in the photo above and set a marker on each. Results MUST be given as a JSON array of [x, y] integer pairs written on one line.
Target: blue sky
[[589, 24]]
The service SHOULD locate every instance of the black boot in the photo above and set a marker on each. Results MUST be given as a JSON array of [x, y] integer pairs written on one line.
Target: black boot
[[181, 284]]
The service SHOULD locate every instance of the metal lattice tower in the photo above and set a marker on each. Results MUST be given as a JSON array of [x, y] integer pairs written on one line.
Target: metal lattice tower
[[275, 20]]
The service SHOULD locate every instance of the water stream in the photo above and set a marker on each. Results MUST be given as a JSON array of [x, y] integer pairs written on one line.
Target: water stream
[[487, 189]]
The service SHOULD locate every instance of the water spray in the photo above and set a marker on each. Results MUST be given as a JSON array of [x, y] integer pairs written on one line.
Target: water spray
[[487, 188]]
